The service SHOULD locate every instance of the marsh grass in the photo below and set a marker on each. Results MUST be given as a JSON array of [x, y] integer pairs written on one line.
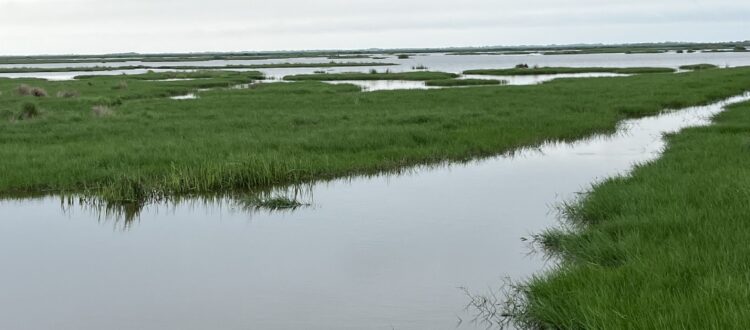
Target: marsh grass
[[68, 94], [26, 90], [464, 82], [519, 71], [38, 92], [28, 111], [661, 248], [23, 90], [101, 111], [238, 140], [121, 85], [695, 67]]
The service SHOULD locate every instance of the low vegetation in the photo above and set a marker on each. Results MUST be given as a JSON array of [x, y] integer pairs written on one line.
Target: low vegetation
[[521, 71], [464, 82], [28, 111], [101, 111], [275, 134], [694, 67], [663, 248]]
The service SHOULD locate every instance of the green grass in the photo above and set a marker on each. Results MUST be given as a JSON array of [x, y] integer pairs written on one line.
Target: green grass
[[665, 248], [702, 66], [184, 67], [464, 82], [612, 50], [418, 75], [274, 134], [558, 70]]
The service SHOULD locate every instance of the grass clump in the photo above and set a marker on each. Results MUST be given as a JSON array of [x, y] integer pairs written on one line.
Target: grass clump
[[663, 248], [101, 111], [38, 92], [520, 71], [464, 82], [68, 94], [121, 85], [26, 90], [403, 56], [374, 75], [28, 111], [696, 67], [23, 90]]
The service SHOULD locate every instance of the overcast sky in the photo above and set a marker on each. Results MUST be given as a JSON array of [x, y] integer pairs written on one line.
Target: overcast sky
[[107, 26]]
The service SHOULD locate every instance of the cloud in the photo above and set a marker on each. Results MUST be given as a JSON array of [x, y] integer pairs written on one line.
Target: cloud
[[88, 26]]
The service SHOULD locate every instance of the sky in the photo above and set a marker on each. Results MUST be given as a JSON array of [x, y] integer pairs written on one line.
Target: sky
[[152, 26]]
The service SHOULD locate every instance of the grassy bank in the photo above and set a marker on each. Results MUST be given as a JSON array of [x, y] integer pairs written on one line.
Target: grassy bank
[[558, 70], [702, 66], [193, 67], [665, 248], [418, 75], [464, 82], [144, 145]]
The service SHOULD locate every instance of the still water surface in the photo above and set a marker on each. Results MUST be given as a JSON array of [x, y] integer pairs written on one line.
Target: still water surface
[[385, 252]]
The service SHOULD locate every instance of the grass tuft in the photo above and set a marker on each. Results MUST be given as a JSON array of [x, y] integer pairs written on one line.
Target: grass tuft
[[68, 94], [101, 111], [28, 111], [23, 90]]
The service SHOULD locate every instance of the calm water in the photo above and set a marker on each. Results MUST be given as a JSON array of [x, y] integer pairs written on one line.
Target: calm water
[[385, 252], [437, 62], [378, 85]]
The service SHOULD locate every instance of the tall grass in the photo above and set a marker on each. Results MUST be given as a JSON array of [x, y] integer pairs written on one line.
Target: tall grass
[[665, 248]]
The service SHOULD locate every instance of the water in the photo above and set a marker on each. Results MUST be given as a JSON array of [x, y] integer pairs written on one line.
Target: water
[[378, 85], [435, 62], [538, 79], [385, 252], [188, 96]]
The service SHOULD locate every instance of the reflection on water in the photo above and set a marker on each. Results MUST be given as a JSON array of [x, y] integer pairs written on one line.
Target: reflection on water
[[188, 96], [379, 85], [538, 79], [378, 252]]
